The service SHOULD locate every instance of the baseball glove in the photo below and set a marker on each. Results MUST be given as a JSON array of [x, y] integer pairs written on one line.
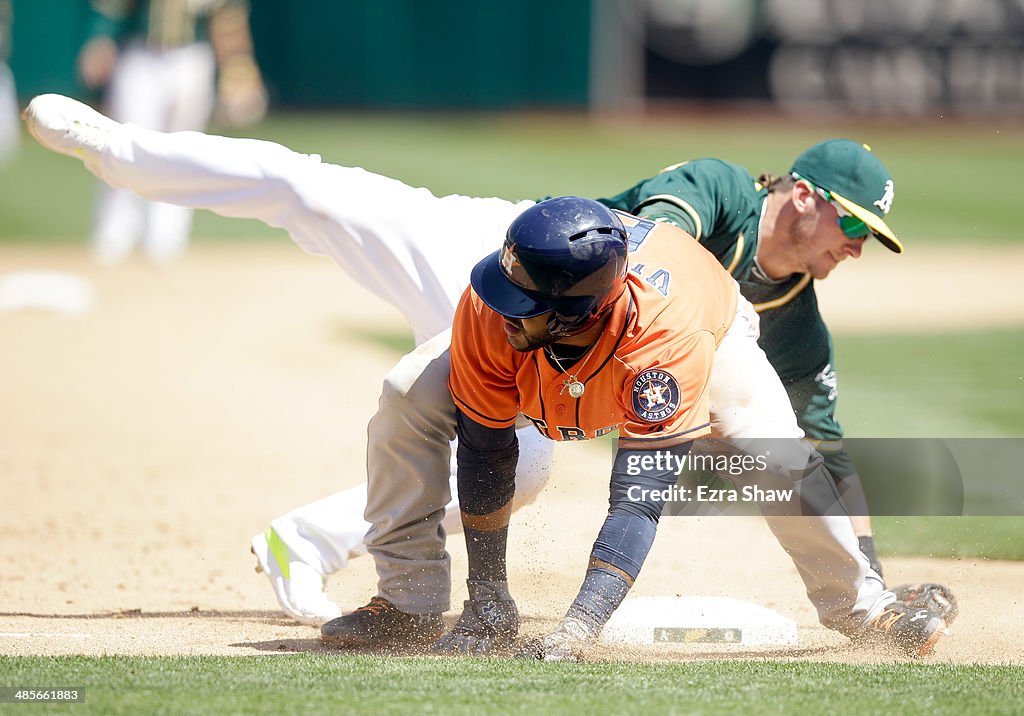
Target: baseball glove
[[936, 597]]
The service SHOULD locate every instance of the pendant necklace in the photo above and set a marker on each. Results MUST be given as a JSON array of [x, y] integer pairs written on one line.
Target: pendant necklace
[[570, 382]]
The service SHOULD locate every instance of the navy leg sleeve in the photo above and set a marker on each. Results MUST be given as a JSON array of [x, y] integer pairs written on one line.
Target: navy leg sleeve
[[641, 481]]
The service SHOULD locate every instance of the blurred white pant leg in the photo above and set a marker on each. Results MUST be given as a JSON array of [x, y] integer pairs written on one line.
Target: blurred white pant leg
[[189, 83], [10, 127], [408, 247], [167, 231], [749, 405], [169, 90]]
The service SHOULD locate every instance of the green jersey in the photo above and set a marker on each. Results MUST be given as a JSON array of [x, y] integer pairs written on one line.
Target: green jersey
[[720, 204], [162, 24]]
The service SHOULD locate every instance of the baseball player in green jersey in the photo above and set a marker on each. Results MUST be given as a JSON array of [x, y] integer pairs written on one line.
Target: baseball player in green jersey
[[416, 250], [726, 210], [165, 65]]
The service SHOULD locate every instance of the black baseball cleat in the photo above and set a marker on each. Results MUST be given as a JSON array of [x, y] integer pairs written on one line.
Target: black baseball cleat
[[913, 631], [380, 624]]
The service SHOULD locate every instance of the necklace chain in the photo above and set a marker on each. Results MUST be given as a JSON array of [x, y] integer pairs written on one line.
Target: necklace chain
[[570, 382]]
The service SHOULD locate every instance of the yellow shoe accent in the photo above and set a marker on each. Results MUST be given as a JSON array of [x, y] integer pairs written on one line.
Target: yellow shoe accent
[[279, 550]]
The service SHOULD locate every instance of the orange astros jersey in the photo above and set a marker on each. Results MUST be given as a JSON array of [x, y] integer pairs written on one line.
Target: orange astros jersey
[[648, 373]]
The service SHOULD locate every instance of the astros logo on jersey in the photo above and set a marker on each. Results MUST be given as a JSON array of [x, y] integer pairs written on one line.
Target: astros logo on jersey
[[655, 396]]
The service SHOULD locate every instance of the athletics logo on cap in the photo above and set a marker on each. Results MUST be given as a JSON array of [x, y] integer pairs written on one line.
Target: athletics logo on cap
[[885, 203], [655, 396], [853, 176]]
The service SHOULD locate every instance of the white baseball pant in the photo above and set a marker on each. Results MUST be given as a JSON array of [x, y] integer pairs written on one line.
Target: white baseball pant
[[10, 129], [415, 251]]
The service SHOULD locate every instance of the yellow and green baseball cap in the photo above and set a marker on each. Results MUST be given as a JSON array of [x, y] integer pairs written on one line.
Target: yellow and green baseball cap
[[856, 180]]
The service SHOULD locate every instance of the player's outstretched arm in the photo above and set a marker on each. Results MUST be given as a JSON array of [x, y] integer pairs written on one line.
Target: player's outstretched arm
[[637, 499]]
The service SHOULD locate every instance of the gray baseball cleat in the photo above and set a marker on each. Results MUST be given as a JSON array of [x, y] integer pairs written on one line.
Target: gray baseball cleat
[[67, 126]]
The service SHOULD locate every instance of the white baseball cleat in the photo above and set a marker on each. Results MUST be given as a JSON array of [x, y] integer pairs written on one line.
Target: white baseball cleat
[[299, 587], [67, 126]]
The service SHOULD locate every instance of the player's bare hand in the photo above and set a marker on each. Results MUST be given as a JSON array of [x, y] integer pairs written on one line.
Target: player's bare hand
[[241, 94], [566, 643], [96, 61], [489, 622]]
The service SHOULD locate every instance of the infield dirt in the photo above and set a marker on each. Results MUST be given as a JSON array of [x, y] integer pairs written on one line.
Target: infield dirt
[[143, 443]]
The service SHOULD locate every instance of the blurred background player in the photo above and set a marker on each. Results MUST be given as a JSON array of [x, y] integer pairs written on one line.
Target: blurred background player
[[165, 65], [9, 127]]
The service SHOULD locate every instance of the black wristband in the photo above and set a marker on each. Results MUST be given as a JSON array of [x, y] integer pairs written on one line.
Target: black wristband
[[867, 546]]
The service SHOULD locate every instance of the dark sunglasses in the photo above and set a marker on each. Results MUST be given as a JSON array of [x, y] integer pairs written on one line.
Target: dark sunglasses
[[850, 225]]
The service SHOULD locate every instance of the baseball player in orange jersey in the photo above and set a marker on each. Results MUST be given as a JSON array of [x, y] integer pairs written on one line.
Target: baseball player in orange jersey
[[699, 305], [555, 327]]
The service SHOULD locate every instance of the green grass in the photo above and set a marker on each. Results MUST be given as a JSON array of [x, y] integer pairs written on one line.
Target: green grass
[[967, 384], [963, 385], [316, 683], [954, 182], [948, 537]]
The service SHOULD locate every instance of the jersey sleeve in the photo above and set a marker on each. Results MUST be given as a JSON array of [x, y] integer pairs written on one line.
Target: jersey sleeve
[[667, 212], [696, 196], [483, 372], [666, 397], [108, 18]]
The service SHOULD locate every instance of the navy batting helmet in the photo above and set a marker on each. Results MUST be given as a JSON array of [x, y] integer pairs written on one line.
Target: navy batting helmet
[[566, 255]]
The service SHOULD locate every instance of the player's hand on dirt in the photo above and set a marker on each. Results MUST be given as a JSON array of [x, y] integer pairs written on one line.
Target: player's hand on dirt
[[566, 643], [489, 622], [935, 597]]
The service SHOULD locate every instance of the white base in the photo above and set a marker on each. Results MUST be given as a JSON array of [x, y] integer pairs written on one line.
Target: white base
[[45, 290], [697, 620]]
